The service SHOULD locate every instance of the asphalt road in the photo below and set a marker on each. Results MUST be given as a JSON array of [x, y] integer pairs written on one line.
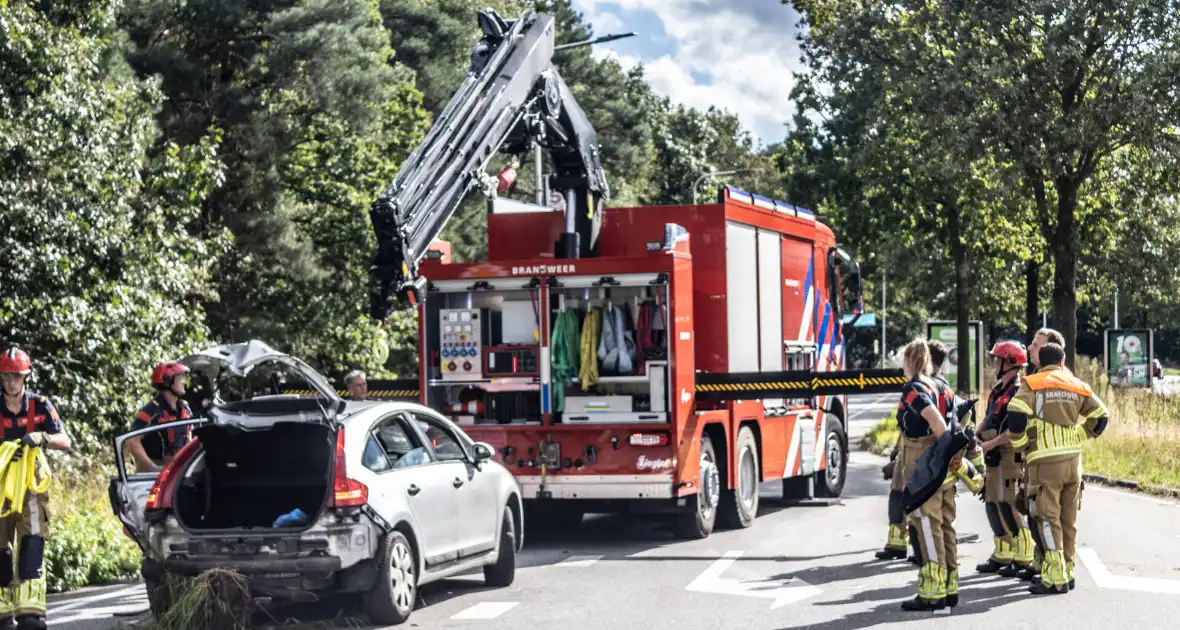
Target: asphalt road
[[801, 566]]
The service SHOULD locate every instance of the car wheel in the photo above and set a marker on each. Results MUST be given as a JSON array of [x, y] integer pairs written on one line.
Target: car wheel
[[503, 571], [829, 482], [695, 520], [739, 506], [392, 598]]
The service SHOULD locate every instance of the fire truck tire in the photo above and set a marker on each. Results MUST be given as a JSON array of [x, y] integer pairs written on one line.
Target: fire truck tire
[[699, 512], [739, 506], [829, 482]]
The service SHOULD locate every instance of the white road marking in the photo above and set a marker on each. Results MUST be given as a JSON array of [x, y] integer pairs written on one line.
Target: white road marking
[[135, 608], [486, 610], [783, 592], [129, 591], [1105, 579], [579, 561]]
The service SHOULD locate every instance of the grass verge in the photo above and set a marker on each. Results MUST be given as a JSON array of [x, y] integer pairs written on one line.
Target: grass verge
[[1141, 444], [86, 544]]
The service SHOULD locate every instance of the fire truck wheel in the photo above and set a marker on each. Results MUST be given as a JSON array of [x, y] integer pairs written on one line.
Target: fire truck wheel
[[829, 482], [696, 518], [739, 506]]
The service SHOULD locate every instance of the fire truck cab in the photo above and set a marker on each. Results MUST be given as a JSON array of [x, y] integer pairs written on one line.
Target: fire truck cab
[[582, 373]]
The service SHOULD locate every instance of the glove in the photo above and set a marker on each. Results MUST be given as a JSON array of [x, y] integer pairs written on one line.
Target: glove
[[34, 439], [887, 471]]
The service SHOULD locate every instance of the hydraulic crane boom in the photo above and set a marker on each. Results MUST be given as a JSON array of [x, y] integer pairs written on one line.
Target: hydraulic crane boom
[[511, 100]]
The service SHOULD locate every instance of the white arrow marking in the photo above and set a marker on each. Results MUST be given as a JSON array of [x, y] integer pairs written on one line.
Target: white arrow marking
[[783, 592], [1105, 579]]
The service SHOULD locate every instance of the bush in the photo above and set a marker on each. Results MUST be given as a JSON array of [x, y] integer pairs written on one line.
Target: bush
[[86, 544]]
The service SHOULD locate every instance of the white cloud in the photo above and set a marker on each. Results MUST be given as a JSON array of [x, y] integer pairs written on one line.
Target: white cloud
[[742, 51]]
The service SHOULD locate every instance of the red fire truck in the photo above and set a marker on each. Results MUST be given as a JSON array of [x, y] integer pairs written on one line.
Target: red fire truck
[[665, 359]]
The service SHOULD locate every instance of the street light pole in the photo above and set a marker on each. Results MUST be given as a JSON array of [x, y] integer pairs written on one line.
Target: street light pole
[[884, 284], [715, 174]]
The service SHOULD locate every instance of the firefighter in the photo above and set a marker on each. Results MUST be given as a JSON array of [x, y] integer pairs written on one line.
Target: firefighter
[[921, 425], [32, 419], [895, 542], [1031, 573], [1013, 543], [1050, 418], [153, 451]]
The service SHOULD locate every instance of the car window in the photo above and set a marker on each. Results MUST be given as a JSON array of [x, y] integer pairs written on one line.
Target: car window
[[446, 445], [401, 449], [374, 456]]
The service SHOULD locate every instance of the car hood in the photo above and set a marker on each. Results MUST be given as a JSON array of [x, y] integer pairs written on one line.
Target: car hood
[[239, 359]]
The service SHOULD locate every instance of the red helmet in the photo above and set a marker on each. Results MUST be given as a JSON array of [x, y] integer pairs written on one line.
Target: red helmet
[[1011, 351], [163, 374], [16, 361]]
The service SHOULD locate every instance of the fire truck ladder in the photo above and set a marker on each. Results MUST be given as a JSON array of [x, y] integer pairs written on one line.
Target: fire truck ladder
[[512, 100], [713, 386]]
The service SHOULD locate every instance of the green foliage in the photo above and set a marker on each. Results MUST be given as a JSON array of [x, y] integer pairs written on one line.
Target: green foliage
[[100, 279], [316, 118], [86, 545]]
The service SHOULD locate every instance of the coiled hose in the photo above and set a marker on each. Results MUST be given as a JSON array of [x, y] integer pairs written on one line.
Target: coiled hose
[[18, 464]]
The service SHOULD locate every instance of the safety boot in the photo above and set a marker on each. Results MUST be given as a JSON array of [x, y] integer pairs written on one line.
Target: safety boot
[[1040, 588], [8, 623], [991, 566], [919, 604], [1029, 574], [1011, 571], [31, 622], [889, 553]]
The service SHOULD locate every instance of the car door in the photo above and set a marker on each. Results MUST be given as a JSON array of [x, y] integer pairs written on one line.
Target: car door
[[128, 490], [408, 474], [478, 505]]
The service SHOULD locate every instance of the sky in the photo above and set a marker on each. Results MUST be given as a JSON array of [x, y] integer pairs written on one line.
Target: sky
[[737, 55]]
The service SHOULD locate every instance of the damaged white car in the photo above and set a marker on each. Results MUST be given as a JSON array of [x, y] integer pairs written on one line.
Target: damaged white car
[[309, 495]]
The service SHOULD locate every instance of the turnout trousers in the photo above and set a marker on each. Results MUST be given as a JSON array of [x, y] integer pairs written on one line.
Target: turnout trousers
[[1013, 541], [934, 525], [1054, 498], [22, 575]]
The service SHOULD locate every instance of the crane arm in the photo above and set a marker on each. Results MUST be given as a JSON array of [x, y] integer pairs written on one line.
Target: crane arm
[[511, 99]]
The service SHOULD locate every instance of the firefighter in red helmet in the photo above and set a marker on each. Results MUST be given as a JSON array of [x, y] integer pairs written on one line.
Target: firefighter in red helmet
[[32, 419], [152, 451], [1013, 550]]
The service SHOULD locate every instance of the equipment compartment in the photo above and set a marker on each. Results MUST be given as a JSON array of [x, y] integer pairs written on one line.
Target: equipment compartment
[[609, 348], [483, 352]]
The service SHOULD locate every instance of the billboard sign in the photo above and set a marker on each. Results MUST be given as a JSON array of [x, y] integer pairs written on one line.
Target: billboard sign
[[1128, 354], [960, 363]]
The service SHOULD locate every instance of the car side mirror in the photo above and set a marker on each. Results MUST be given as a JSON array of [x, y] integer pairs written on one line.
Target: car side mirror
[[483, 451]]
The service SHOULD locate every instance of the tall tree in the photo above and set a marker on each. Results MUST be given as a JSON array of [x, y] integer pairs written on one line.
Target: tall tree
[[100, 279], [1053, 88], [315, 118]]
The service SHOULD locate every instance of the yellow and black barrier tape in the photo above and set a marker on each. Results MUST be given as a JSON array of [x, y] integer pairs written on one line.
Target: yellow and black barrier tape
[[400, 389], [795, 384]]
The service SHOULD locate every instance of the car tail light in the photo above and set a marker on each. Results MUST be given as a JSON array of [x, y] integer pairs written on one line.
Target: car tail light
[[160, 496], [648, 439], [347, 492]]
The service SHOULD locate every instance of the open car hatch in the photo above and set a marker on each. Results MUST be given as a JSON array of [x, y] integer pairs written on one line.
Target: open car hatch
[[250, 378]]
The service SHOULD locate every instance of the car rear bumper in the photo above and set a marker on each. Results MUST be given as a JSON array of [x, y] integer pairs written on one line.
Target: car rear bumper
[[657, 486], [264, 567]]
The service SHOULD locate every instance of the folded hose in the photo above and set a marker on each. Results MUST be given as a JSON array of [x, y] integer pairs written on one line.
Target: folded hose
[[18, 475]]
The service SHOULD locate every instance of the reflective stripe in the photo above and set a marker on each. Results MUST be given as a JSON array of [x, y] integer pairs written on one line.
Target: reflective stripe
[[1056, 439], [1019, 406], [30, 597], [931, 550], [1019, 442], [1097, 413]]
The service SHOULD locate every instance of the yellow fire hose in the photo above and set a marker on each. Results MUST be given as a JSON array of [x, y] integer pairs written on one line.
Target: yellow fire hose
[[19, 476]]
